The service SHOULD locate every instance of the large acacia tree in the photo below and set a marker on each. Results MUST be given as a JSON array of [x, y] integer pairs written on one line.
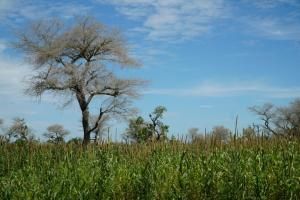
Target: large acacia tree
[[77, 60]]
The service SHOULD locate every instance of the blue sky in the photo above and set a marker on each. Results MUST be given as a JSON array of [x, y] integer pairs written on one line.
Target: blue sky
[[207, 60]]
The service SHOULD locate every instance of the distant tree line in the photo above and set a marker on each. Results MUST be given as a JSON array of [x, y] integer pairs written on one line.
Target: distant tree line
[[281, 121], [20, 132]]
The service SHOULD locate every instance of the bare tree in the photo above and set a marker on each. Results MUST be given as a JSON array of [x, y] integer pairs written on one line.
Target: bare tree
[[77, 61], [56, 133], [220, 133], [194, 134], [288, 119], [267, 115], [20, 130], [249, 133], [280, 121]]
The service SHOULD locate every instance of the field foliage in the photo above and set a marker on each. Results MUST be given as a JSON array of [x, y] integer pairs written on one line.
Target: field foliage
[[258, 169]]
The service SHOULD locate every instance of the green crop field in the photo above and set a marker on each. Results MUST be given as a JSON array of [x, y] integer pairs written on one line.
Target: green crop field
[[255, 169]]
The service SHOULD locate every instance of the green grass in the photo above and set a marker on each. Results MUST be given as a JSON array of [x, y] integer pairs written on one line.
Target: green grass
[[253, 170]]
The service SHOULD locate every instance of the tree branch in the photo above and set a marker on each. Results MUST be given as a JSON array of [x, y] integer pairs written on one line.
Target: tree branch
[[97, 121]]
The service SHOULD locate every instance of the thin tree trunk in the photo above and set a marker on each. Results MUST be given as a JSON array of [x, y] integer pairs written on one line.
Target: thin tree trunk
[[86, 127], [158, 137]]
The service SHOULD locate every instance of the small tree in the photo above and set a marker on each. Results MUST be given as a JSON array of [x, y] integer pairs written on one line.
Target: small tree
[[194, 135], [220, 133], [20, 131], [76, 60], [159, 129], [249, 133], [138, 130], [56, 133]]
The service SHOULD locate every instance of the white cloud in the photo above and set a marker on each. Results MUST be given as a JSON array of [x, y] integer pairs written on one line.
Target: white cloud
[[171, 19], [5, 8], [2, 46], [211, 89], [275, 28], [275, 19], [49, 10], [272, 3], [12, 75], [18, 11], [176, 20], [6, 4]]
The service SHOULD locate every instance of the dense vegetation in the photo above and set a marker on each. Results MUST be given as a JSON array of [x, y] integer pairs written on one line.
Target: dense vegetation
[[243, 169]]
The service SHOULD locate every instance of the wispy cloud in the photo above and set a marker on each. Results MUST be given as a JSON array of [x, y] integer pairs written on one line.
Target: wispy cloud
[[17, 11], [12, 76], [13, 73], [177, 20], [13, 82], [275, 28], [171, 19], [273, 20], [2, 46], [213, 89], [272, 3], [205, 106], [6, 5]]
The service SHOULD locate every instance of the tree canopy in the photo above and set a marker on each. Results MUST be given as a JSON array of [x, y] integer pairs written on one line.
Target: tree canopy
[[56, 133], [140, 130]]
